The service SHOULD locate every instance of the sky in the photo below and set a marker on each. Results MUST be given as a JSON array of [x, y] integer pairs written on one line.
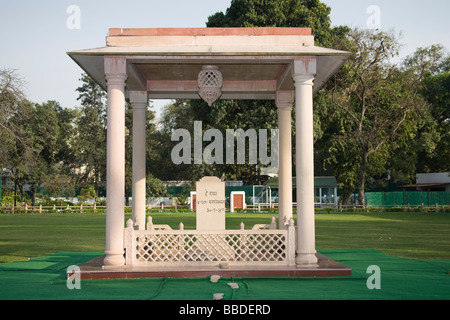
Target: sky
[[36, 34]]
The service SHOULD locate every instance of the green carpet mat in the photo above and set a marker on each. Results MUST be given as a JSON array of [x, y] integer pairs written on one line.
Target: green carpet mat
[[401, 279]]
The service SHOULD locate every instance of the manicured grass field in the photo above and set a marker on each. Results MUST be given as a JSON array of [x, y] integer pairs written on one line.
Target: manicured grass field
[[410, 235]]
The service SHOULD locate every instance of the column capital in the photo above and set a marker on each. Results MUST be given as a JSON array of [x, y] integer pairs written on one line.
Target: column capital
[[115, 70], [303, 79], [284, 100], [115, 64], [138, 99], [304, 70], [117, 79], [305, 64]]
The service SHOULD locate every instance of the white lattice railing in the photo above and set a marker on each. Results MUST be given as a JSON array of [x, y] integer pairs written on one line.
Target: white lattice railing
[[161, 246]]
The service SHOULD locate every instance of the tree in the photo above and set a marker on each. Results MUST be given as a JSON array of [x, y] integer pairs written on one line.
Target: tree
[[238, 114], [90, 141], [376, 103], [35, 137], [20, 152], [437, 93], [259, 114], [13, 108], [44, 128], [177, 115], [431, 67], [282, 13], [64, 155], [87, 194], [154, 187], [17, 151], [59, 185]]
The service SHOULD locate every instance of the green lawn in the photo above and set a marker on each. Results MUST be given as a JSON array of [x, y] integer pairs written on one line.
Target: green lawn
[[410, 235]]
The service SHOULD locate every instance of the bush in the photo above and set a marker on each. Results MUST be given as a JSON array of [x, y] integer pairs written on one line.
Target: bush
[[7, 201]]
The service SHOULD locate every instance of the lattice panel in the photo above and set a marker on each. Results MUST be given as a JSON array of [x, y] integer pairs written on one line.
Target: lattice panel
[[185, 247]]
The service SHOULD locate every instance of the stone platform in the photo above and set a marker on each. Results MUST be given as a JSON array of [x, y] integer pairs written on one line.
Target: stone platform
[[326, 268]]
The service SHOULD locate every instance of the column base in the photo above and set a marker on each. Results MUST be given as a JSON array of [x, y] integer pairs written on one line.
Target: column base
[[113, 259], [306, 260]]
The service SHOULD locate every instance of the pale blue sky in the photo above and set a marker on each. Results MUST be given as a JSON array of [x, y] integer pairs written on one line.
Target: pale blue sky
[[34, 37]]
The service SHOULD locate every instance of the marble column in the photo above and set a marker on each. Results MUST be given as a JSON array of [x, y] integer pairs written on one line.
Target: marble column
[[284, 102], [304, 71], [139, 102], [115, 73]]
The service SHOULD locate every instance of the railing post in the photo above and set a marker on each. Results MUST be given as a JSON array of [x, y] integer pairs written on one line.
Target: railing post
[[180, 249], [149, 223], [243, 238], [129, 247], [290, 243], [273, 223]]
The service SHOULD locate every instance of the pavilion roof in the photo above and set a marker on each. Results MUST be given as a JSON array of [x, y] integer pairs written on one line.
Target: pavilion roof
[[255, 62]]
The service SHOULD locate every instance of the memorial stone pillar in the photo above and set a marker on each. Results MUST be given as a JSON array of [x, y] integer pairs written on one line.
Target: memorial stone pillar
[[304, 71], [284, 102], [139, 102], [115, 73]]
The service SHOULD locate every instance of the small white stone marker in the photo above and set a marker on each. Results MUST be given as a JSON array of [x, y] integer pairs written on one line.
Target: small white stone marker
[[214, 278], [218, 296], [233, 285]]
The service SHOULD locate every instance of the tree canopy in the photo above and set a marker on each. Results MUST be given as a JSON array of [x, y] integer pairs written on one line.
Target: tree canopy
[[379, 120], [282, 13]]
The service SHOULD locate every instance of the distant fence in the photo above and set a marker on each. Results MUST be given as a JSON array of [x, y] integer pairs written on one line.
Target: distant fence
[[87, 208], [411, 198], [53, 209], [375, 201], [82, 209]]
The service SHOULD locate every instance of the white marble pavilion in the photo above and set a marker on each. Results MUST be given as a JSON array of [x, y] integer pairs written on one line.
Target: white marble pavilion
[[280, 64]]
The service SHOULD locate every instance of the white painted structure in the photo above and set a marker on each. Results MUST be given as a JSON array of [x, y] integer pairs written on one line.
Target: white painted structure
[[237, 193], [430, 180], [160, 246], [280, 64]]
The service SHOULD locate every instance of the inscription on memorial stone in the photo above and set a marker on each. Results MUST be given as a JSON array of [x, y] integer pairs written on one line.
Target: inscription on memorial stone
[[210, 204]]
